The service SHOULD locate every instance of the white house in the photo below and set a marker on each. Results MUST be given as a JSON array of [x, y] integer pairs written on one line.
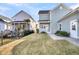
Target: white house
[[60, 18], [44, 20], [23, 21], [5, 23]]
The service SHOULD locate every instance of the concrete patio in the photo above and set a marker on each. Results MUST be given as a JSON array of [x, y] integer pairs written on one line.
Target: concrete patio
[[71, 40]]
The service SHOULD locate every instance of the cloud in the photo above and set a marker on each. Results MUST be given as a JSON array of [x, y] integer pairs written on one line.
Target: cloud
[[4, 10], [75, 6]]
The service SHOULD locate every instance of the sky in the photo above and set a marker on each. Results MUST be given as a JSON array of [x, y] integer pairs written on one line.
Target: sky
[[10, 9]]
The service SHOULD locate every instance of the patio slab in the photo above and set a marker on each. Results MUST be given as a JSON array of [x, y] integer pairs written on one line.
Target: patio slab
[[71, 40]]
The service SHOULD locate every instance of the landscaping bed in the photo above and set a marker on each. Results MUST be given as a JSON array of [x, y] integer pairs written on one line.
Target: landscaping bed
[[5, 41]]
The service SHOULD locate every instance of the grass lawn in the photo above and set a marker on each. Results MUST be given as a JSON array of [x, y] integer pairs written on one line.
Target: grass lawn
[[42, 44], [5, 41]]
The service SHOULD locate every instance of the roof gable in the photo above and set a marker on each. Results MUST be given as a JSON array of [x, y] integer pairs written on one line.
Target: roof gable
[[23, 13], [69, 14], [61, 6], [5, 19]]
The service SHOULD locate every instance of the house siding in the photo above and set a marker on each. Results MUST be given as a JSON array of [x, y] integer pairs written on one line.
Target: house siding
[[2, 26], [66, 23], [78, 27], [56, 16], [20, 17]]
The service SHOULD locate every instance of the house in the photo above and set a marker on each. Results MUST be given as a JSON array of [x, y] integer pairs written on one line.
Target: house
[[5, 23], [61, 18], [19, 22], [23, 21], [44, 20], [70, 23]]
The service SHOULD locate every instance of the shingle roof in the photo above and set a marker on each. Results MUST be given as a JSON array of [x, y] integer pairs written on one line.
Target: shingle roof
[[5, 19], [43, 11]]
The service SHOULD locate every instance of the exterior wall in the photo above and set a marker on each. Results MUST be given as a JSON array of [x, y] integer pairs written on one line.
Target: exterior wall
[[44, 16], [78, 27], [2, 26], [21, 16], [33, 25], [9, 26], [55, 16], [46, 29], [65, 24], [44, 21]]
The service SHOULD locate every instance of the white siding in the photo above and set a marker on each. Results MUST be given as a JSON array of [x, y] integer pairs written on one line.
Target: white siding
[[21, 16], [2, 26]]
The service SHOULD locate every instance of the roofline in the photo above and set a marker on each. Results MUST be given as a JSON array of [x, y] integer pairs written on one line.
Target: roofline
[[67, 15], [43, 10], [24, 12], [6, 17], [59, 5]]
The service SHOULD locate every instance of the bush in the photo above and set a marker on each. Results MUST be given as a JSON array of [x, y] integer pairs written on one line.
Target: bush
[[37, 30], [43, 32], [27, 32], [62, 33], [6, 33]]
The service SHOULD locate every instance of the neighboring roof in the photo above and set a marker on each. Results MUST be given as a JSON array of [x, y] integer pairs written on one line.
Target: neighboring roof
[[5, 19], [23, 12], [70, 13], [43, 11], [61, 4]]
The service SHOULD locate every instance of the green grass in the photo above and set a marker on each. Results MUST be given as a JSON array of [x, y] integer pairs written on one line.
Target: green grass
[[5, 41], [42, 44]]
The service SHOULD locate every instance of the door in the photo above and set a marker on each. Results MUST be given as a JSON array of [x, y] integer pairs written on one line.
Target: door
[[73, 29], [44, 28]]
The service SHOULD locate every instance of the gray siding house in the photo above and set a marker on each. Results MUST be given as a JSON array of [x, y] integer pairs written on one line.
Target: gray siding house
[[61, 18]]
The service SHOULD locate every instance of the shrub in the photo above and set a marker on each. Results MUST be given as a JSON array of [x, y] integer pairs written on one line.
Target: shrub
[[62, 33], [43, 32], [27, 32], [37, 30]]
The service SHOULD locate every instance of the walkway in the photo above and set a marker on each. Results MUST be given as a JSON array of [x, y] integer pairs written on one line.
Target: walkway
[[6, 49], [71, 40]]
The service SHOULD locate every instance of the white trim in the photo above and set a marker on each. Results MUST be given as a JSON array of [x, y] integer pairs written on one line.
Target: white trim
[[74, 33]]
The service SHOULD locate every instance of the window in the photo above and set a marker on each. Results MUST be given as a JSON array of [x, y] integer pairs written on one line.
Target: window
[[73, 27], [44, 27], [59, 26]]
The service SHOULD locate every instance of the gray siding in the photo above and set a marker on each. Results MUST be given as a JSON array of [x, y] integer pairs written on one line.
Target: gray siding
[[66, 22], [55, 16], [78, 28]]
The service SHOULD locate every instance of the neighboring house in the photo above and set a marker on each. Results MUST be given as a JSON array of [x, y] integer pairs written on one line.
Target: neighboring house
[[61, 18], [5, 23], [23, 21], [20, 22], [44, 21]]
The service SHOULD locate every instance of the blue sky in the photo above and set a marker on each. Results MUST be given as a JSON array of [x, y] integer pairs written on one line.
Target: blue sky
[[10, 9]]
